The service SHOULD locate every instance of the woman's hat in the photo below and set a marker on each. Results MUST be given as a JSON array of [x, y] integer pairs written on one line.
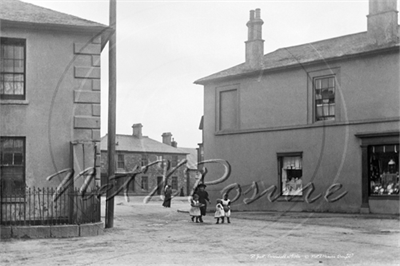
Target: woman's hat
[[201, 185]]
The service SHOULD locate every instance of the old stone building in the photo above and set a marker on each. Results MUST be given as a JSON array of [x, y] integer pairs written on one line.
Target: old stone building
[[137, 150]]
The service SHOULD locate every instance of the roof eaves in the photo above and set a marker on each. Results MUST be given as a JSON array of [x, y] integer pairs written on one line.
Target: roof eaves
[[256, 72], [104, 32]]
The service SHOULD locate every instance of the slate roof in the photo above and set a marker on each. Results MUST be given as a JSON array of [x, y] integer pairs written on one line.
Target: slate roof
[[18, 11], [145, 144], [191, 157], [339, 47]]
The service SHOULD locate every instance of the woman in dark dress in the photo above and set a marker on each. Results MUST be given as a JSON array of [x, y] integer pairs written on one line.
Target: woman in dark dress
[[167, 196], [203, 199]]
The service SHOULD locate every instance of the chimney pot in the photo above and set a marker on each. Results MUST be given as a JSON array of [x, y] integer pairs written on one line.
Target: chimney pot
[[137, 130], [251, 15], [255, 43], [166, 138]]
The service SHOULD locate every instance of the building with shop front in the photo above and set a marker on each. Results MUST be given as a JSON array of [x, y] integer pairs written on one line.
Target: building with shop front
[[313, 127], [136, 150]]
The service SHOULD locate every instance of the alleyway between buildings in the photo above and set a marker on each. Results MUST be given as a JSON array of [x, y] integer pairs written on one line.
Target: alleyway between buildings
[[148, 234]]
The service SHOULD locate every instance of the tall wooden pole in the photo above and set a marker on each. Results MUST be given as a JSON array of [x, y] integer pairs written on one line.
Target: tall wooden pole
[[112, 102]]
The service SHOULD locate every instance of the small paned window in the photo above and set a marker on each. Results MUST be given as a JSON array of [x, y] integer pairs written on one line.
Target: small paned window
[[324, 98], [12, 68], [121, 161], [145, 160], [12, 165]]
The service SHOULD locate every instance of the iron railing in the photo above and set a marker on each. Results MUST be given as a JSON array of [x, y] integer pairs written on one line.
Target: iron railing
[[45, 206]]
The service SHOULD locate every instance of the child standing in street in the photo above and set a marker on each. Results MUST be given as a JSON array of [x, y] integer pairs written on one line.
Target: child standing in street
[[219, 212], [195, 208], [226, 204]]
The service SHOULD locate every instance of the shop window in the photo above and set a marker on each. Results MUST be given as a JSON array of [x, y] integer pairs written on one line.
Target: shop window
[[174, 182], [12, 165], [383, 170], [121, 161], [290, 174], [12, 69], [324, 89], [145, 183]]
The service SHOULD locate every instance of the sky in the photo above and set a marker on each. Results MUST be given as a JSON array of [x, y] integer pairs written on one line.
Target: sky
[[164, 46]]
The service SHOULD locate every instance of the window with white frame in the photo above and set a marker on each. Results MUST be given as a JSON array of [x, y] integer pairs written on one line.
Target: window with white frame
[[324, 93], [12, 68], [12, 165], [121, 161], [290, 170]]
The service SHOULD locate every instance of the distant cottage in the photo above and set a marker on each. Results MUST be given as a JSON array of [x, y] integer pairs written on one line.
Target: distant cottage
[[137, 150], [313, 127]]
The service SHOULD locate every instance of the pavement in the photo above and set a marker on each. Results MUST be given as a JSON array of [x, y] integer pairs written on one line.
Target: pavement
[[149, 234]]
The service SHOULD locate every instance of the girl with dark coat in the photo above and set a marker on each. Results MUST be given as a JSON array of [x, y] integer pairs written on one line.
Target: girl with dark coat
[[167, 196], [203, 199]]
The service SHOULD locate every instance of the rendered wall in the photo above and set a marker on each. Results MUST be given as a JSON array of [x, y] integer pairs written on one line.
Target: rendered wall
[[275, 118], [62, 101]]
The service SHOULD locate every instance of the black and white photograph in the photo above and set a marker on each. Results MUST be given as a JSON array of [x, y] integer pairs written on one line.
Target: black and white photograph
[[166, 132]]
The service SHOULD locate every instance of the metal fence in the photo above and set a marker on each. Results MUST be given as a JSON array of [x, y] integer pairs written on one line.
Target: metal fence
[[45, 206]]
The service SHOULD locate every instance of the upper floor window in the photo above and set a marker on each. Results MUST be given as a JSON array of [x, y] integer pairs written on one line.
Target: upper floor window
[[121, 161], [12, 68], [145, 160], [227, 108], [174, 161], [324, 98], [12, 165]]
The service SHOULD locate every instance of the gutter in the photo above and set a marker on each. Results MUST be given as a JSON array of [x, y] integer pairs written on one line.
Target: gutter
[[257, 72]]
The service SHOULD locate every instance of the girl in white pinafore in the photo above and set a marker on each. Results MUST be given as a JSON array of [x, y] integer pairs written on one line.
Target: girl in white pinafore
[[219, 212], [226, 204], [195, 208]]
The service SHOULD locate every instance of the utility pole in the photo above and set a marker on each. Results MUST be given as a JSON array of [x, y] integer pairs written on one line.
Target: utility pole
[[112, 102]]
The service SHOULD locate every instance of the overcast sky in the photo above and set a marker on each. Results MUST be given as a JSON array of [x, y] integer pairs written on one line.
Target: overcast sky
[[164, 46]]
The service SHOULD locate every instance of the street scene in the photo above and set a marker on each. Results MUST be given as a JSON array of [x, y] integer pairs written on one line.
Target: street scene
[[199, 132], [149, 234]]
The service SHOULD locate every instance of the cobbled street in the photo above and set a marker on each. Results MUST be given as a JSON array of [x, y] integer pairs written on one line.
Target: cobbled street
[[148, 234]]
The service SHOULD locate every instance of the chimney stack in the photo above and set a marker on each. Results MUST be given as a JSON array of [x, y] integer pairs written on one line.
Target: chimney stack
[[383, 21], [255, 43], [137, 130], [174, 143], [166, 138]]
